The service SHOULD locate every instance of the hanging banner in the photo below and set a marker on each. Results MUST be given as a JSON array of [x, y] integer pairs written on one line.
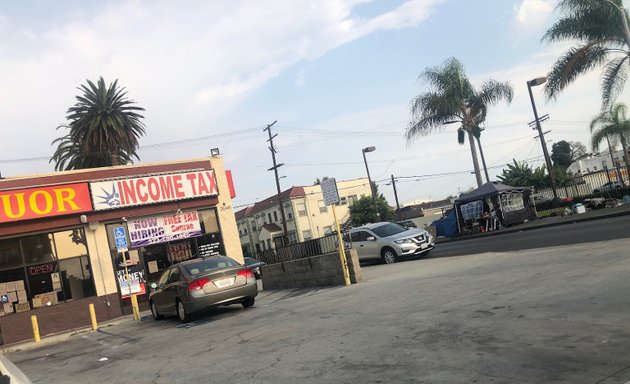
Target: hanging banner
[[122, 193], [163, 228]]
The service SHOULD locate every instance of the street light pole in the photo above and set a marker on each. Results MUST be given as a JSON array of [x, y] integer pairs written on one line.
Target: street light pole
[[541, 135], [364, 151]]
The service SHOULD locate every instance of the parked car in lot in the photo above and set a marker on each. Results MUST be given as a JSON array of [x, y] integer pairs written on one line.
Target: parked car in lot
[[197, 284], [407, 224], [609, 186], [390, 241], [254, 266]]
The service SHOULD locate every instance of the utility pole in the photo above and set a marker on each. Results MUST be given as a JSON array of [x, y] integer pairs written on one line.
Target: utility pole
[[396, 197], [275, 170]]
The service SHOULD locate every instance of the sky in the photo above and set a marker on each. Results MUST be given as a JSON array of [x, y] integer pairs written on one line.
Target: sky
[[336, 75]]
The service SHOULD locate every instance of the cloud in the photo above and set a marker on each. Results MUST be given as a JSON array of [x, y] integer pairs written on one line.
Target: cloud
[[187, 65], [532, 13]]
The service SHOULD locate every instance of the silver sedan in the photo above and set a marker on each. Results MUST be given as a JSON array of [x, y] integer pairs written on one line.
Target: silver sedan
[[197, 284]]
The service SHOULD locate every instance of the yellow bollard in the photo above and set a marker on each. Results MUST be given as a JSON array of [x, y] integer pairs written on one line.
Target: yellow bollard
[[93, 317], [35, 328]]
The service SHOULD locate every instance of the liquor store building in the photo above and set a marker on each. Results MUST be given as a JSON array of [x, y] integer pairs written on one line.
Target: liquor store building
[[66, 238]]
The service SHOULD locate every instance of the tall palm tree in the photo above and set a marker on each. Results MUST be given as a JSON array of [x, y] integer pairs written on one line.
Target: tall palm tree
[[104, 127], [600, 29], [612, 124], [453, 99]]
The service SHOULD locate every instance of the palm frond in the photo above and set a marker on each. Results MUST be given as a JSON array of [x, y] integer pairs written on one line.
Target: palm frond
[[575, 62], [613, 79]]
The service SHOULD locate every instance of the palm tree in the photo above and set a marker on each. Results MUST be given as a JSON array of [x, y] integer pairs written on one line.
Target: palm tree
[[612, 124], [104, 128], [452, 99], [600, 28]]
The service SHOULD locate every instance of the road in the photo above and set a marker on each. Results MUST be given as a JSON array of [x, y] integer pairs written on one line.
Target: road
[[548, 315], [581, 232]]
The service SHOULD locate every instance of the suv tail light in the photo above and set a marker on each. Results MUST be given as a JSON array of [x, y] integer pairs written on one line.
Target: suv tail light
[[197, 285], [246, 273]]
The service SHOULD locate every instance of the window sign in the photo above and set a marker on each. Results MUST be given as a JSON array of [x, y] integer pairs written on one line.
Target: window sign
[[135, 284]]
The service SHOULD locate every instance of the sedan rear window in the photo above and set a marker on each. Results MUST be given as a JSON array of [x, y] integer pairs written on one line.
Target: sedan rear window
[[388, 229], [203, 266]]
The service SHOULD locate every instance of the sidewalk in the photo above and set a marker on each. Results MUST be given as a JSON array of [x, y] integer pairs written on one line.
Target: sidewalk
[[552, 221]]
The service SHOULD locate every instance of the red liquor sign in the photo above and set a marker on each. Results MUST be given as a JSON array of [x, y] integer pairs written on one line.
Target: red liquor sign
[[35, 203]]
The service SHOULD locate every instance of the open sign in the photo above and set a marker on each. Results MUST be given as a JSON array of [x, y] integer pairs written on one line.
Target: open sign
[[41, 269]]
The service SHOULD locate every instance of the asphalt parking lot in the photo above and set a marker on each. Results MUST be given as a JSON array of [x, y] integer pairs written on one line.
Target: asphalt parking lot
[[555, 314]]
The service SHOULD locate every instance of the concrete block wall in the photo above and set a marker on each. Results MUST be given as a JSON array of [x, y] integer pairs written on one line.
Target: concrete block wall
[[313, 271]]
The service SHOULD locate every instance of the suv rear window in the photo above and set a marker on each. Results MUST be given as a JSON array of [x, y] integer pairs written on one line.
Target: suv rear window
[[388, 229]]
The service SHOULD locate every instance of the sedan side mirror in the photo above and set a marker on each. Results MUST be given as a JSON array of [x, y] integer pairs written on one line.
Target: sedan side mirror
[[371, 238]]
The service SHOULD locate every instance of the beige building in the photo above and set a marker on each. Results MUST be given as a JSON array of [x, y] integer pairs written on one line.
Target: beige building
[[307, 217], [66, 238]]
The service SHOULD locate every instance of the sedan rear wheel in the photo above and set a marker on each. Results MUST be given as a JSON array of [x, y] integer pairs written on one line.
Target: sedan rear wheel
[[184, 317], [155, 313], [389, 256], [248, 302]]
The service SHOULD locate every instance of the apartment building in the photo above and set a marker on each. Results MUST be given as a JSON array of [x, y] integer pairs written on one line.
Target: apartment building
[[306, 215]]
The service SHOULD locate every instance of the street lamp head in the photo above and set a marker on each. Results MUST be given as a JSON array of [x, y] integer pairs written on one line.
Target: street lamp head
[[369, 149], [537, 81]]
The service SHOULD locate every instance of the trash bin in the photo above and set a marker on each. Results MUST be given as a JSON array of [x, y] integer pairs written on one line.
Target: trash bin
[[579, 208]]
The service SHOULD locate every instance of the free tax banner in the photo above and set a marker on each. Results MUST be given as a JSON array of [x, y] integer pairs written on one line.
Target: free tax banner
[[129, 192], [36, 203], [160, 229]]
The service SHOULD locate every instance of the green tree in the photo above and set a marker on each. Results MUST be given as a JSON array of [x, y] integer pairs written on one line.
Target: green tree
[[612, 125], [363, 211], [453, 99], [104, 127], [599, 29], [520, 174], [318, 181], [561, 154]]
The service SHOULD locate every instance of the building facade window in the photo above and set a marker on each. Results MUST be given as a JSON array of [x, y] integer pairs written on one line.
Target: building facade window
[[352, 199], [322, 206], [301, 208], [307, 234], [275, 216], [269, 215]]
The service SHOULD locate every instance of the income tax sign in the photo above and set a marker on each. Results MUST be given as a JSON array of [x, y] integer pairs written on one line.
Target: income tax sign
[[35, 203], [121, 193]]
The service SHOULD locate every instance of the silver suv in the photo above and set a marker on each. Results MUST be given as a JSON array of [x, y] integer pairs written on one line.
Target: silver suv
[[390, 241]]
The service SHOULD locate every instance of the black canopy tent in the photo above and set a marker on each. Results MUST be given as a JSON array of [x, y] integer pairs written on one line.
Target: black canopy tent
[[512, 204]]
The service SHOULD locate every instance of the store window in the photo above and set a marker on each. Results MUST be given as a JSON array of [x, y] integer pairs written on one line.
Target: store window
[[37, 249], [45, 269], [10, 255], [209, 222], [76, 278]]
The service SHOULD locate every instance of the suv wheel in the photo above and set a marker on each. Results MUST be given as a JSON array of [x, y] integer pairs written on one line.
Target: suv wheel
[[389, 256]]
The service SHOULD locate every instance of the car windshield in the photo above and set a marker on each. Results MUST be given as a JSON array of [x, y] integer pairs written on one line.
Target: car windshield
[[209, 264], [388, 229]]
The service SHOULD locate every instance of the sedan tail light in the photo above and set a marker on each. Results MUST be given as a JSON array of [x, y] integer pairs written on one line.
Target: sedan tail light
[[197, 285], [246, 273]]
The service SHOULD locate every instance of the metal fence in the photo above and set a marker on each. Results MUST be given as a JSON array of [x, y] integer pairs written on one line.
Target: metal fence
[[309, 248], [610, 183]]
